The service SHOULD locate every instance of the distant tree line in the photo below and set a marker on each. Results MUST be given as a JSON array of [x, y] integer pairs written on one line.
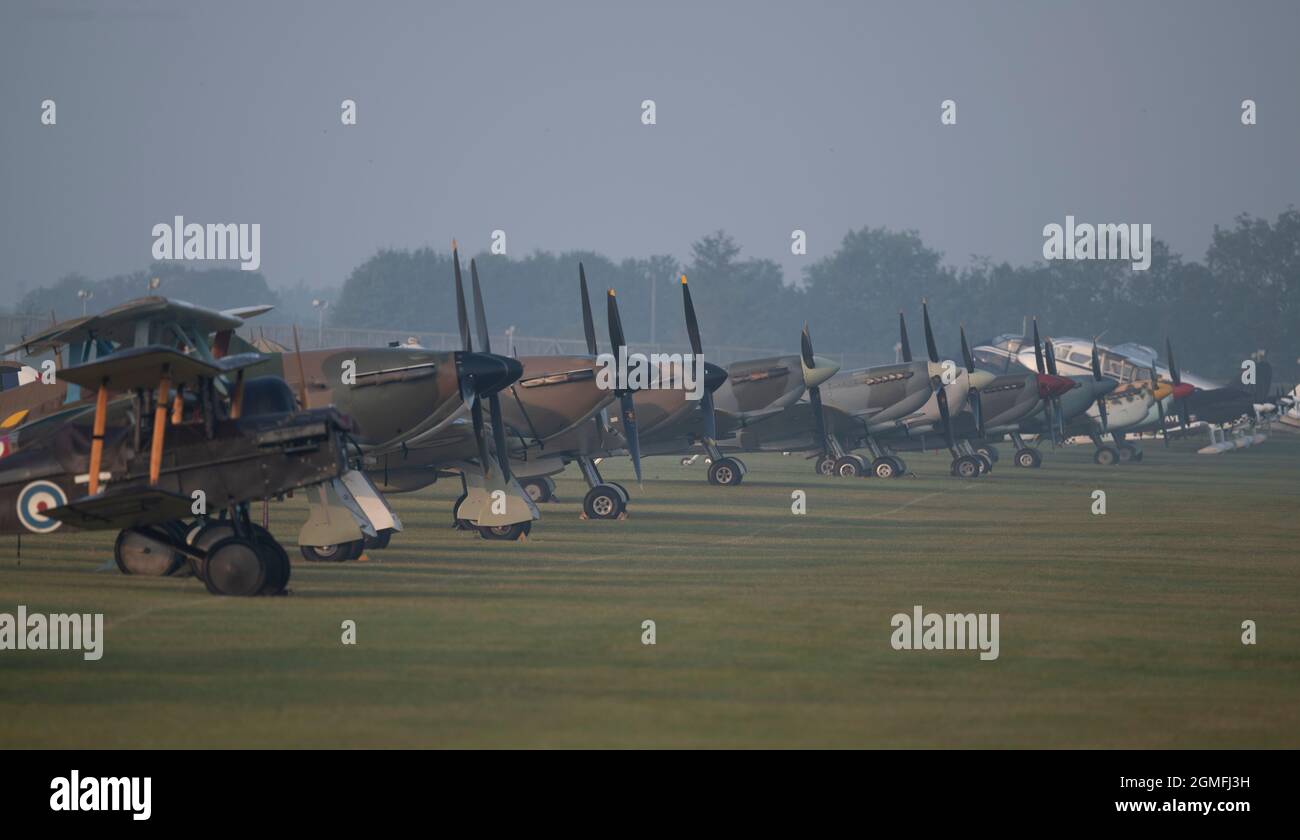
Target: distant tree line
[[1243, 297]]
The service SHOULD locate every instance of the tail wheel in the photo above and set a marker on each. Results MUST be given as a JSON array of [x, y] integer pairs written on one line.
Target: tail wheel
[[726, 472], [1028, 458], [604, 501], [138, 553], [236, 567], [1106, 456], [884, 467], [517, 531]]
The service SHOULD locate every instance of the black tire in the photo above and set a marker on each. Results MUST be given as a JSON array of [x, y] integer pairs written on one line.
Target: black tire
[[848, 466], [825, 466], [884, 467], [726, 472], [137, 553], [1028, 458], [620, 488], [236, 567], [458, 523], [517, 531], [208, 535], [1106, 456], [967, 466], [603, 502], [989, 451], [379, 542], [540, 490], [1128, 453], [278, 567], [332, 553], [900, 466], [986, 464]]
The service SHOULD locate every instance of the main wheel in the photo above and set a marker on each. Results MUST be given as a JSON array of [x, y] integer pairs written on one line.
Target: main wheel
[[603, 502], [884, 467], [278, 568], [726, 472], [377, 542], [989, 451], [457, 522], [967, 466], [1028, 458], [336, 553], [138, 553], [1106, 456], [986, 463], [849, 466], [236, 567], [826, 466], [517, 531], [900, 466], [540, 490], [1128, 452]]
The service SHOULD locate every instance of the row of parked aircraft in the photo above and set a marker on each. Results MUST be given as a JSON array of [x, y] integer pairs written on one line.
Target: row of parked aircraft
[[161, 422]]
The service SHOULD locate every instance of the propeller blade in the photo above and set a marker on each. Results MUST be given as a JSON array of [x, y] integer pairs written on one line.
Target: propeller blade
[[630, 433], [805, 348], [692, 325], [480, 436], [588, 325], [942, 396], [965, 352], [697, 347], [929, 334], [1038, 349], [977, 409], [1096, 361], [902, 337], [1104, 414], [479, 314], [499, 435], [616, 338], [1173, 366], [819, 416], [1160, 407], [1051, 359], [462, 317]]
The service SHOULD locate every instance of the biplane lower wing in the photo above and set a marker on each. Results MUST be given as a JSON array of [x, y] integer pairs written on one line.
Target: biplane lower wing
[[133, 507]]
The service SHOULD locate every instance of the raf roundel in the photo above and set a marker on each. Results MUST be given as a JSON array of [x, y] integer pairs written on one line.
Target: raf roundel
[[36, 498]]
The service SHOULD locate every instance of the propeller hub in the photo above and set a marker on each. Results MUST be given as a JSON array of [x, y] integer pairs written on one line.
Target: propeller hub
[[1053, 386], [490, 372], [714, 376], [1182, 391], [822, 370]]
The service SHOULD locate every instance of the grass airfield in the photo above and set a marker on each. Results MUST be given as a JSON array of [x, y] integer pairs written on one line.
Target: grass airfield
[[773, 629]]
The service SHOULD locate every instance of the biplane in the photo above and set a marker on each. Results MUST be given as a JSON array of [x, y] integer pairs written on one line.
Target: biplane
[[180, 445]]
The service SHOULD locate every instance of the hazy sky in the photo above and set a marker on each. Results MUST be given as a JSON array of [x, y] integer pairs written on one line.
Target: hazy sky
[[526, 117]]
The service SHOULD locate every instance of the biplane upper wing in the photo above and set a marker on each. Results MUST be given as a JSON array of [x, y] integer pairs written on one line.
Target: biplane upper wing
[[134, 507], [119, 323], [141, 367]]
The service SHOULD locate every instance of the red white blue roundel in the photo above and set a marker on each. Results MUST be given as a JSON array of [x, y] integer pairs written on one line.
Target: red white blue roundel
[[34, 500]]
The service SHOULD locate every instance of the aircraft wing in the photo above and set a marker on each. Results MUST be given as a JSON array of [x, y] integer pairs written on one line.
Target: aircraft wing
[[141, 367], [118, 324], [133, 507]]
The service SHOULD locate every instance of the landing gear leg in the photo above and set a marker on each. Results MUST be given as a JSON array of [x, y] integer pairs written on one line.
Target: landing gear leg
[[603, 501]]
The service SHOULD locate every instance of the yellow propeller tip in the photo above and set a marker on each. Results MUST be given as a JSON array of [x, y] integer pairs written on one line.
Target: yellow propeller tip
[[683, 279]]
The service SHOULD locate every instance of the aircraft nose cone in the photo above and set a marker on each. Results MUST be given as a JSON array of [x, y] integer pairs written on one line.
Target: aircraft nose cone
[[489, 371], [1182, 391], [714, 376], [825, 369], [1053, 386]]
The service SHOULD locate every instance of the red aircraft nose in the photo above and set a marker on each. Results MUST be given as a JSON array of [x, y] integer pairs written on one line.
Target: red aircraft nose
[[1053, 386], [1182, 391]]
